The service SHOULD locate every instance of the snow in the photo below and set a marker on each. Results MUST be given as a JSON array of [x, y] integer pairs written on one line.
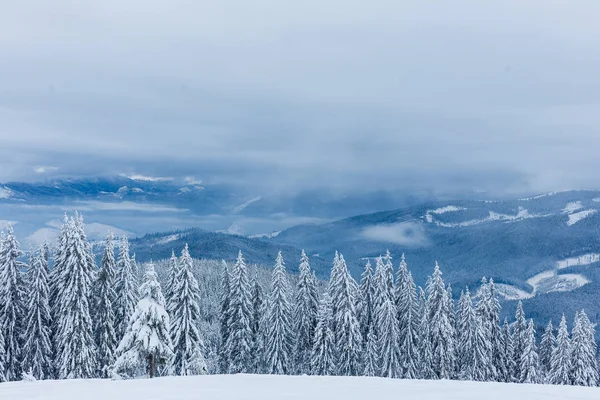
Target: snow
[[246, 204], [585, 259], [493, 216], [573, 206], [539, 196], [265, 235], [137, 177], [549, 281], [510, 292], [535, 280], [575, 218], [268, 387], [446, 209], [6, 193], [168, 239]]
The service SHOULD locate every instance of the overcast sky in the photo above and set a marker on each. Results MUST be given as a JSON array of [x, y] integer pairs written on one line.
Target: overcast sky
[[502, 96]]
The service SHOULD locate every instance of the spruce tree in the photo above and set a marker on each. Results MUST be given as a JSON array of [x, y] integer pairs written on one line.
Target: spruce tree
[[584, 364], [257, 326], [224, 325], [372, 365], [305, 316], [171, 295], [425, 350], [365, 308], [519, 335], [146, 345], [547, 345], [508, 353], [348, 339], [488, 311], [441, 331], [76, 356], [408, 317], [323, 356], [475, 348], [529, 359], [126, 289], [12, 304], [105, 320], [389, 273], [2, 357], [188, 344], [278, 343], [37, 349], [560, 368], [388, 340], [239, 342]]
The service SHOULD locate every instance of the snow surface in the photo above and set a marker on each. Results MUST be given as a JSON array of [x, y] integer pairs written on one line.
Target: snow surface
[[510, 292], [575, 218], [585, 259], [573, 206], [539, 196], [6, 193], [265, 235], [493, 216], [269, 387], [549, 281], [446, 209]]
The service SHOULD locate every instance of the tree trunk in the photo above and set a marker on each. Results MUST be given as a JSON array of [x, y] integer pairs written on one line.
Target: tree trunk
[[151, 358]]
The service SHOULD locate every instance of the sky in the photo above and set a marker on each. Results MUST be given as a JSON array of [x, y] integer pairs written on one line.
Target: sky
[[494, 96]]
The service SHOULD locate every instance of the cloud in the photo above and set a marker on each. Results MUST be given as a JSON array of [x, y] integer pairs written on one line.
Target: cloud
[[277, 96], [403, 233]]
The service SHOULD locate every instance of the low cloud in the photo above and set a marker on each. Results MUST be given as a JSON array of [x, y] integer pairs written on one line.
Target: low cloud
[[403, 233]]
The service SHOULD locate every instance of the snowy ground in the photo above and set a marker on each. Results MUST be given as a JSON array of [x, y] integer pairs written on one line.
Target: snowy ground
[[264, 387]]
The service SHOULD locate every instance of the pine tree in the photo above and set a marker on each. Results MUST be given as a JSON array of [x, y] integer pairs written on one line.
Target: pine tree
[[507, 353], [76, 356], [584, 364], [519, 340], [224, 325], [278, 343], [323, 357], [475, 348], [365, 308], [488, 311], [105, 323], [257, 326], [389, 273], [372, 365], [305, 316], [171, 295], [441, 331], [529, 359], [12, 306], [425, 351], [188, 357], [3, 359], [547, 345], [126, 290], [146, 344], [37, 349], [239, 342], [348, 339], [408, 317], [560, 368], [388, 340]]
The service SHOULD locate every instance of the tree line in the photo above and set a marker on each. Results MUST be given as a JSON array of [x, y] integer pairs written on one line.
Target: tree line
[[76, 320]]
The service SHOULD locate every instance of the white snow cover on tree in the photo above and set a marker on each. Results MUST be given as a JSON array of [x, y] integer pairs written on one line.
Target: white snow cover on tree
[[323, 356], [278, 342], [408, 319], [305, 316], [547, 346], [147, 332], [224, 319], [529, 358], [188, 344], [37, 349], [389, 344], [127, 288], [584, 364], [258, 327], [365, 305], [474, 348], [560, 361]]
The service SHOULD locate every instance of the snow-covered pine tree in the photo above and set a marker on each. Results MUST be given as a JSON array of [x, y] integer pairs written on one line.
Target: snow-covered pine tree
[[258, 322], [323, 356], [547, 345], [365, 307], [507, 353], [188, 344], [372, 365], [2, 357], [560, 362], [488, 311], [12, 304], [126, 289], [170, 293], [76, 356], [333, 290], [223, 351], [278, 342], [389, 273], [408, 317], [146, 345], [426, 370], [474, 346], [305, 316], [584, 364], [104, 318], [441, 331], [389, 344], [37, 349], [529, 358], [348, 340], [519, 336], [239, 342]]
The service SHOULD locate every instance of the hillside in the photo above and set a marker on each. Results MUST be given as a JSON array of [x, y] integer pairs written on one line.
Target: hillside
[[266, 387]]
